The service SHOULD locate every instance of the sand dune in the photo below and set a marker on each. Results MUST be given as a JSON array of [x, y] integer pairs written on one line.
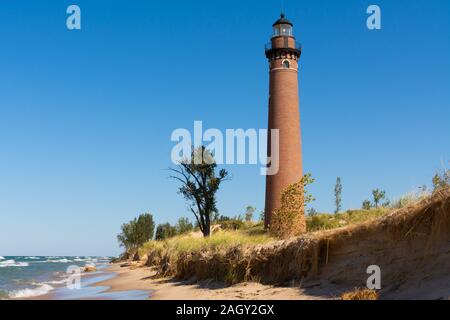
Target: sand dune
[[411, 246]]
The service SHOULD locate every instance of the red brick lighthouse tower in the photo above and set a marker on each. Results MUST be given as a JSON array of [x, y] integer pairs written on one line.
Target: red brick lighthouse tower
[[283, 54]]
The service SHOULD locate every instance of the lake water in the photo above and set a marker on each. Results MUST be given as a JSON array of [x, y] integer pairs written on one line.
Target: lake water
[[34, 276]]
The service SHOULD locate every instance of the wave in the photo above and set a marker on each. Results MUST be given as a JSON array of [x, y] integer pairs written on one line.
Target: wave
[[55, 261], [12, 263], [60, 261], [27, 293], [32, 258], [2, 258], [56, 281], [78, 259]]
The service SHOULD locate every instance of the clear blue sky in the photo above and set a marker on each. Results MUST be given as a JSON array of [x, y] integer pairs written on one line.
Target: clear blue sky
[[86, 116]]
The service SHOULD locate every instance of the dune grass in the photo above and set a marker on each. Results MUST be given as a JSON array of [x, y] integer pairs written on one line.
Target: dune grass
[[360, 294], [183, 255], [253, 234], [250, 235], [233, 256], [332, 221], [168, 254], [409, 198]]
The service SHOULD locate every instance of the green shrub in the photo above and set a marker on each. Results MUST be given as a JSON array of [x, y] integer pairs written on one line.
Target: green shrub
[[321, 222], [231, 224], [184, 226], [135, 233], [165, 231], [289, 219], [328, 221]]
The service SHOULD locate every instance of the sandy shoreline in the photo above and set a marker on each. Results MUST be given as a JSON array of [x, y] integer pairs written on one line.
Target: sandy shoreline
[[140, 279], [166, 289], [138, 283], [92, 289]]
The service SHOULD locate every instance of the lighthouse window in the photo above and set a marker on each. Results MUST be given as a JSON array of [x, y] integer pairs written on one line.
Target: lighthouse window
[[286, 64], [282, 30], [286, 30], [276, 31]]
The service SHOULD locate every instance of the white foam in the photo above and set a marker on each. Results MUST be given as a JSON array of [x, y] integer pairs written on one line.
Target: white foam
[[56, 281], [13, 263], [105, 259], [32, 258], [2, 258], [92, 260], [57, 261], [26, 293]]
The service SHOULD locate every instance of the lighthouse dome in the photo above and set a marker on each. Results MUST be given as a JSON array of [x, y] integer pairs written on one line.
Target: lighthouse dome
[[282, 27], [283, 20]]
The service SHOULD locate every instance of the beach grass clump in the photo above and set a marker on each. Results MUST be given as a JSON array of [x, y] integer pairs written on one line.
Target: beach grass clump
[[170, 256], [230, 256], [408, 199], [360, 294], [219, 240], [322, 222]]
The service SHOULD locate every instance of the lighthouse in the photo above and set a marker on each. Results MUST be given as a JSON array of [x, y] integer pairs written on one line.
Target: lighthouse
[[283, 53]]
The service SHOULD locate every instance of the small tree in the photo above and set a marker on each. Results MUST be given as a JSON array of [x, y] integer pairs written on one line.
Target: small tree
[[338, 195], [312, 212], [441, 180], [215, 217], [136, 232], [184, 226], [222, 218], [366, 205], [145, 227], [249, 213], [199, 185], [262, 216], [127, 236], [289, 219], [165, 231], [378, 195]]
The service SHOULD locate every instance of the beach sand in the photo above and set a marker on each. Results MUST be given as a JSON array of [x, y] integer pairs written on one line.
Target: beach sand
[[91, 289], [139, 283], [132, 278]]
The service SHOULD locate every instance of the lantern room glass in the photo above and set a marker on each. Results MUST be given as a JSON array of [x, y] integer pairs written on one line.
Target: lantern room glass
[[282, 30]]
